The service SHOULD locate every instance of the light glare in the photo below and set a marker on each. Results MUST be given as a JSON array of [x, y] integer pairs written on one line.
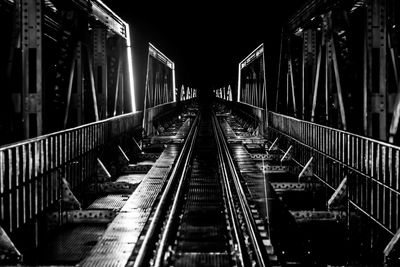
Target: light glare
[[130, 68]]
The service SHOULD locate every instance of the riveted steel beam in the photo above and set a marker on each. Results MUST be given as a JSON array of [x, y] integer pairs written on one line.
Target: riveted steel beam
[[31, 46]]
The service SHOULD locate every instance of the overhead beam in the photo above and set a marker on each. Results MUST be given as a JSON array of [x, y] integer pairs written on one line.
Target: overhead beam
[[103, 14], [314, 8]]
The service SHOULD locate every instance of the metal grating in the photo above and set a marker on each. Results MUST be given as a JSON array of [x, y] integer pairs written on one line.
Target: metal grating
[[254, 178], [255, 148], [145, 162], [109, 202], [229, 133], [105, 261], [131, 178], [204, 194], [183, 131], [202, 259], [202, 231], [69, 246], [147, 156], [118, 242]]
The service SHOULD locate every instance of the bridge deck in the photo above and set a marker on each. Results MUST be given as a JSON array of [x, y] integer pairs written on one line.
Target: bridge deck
[[99, 244], [290, 205], [117, 243]]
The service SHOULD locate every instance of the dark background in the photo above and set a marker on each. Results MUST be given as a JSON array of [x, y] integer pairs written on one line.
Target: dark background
[[205, 39]]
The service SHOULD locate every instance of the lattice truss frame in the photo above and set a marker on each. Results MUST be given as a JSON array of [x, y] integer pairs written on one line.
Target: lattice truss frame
[[338, 66]]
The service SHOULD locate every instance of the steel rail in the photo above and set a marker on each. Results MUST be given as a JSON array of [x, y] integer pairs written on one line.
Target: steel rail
[[173, 212], [160, 209], [229, 198], [259, 252]]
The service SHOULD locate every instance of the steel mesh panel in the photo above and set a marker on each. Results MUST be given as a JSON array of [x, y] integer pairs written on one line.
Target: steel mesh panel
[[71, 245], [109, 202], [131, 178], [202, 259], [118, 242]]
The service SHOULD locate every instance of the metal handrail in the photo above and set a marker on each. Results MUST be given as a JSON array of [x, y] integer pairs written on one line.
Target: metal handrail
[[339, 162], [229, 197], [31, 170], [278, 115], [46, 136], [372, 166]]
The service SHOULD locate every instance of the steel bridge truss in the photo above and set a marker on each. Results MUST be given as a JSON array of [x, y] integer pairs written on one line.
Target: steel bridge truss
[[340, 58], [366, 169], [160, 92], [251, 82], [69, 63]]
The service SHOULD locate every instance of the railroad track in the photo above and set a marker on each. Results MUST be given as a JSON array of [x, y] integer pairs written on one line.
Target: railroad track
[[202, 218]]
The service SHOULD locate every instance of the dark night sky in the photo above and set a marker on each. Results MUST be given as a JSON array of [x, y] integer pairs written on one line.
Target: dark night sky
[[205, 39]]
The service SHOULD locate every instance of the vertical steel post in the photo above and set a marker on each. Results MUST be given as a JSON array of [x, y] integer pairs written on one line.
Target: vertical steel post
[[279, 73], [254, 88], [93, 87], [31, 45], [174, 89], [338, 87], [308, 69], [118, 91], [292, 87], [131, 83], [265, 96], [367, 37], [287, 92], [315, 91], [396, 108], [146, 95], [69, 90], [303, 66], [239, 83], [80, 94], [376, 46], [100, 69]]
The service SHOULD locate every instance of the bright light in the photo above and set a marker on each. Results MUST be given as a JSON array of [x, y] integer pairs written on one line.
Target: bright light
[[173, 82], [298, 32], [238, 88], [130, 67]]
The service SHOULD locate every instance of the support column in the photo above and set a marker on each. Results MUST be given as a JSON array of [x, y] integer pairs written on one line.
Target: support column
[[31, 44], [375, 88], [328, 73], [308, 70], [100, 69], [114, 70], [79, 97], [333, 100]]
